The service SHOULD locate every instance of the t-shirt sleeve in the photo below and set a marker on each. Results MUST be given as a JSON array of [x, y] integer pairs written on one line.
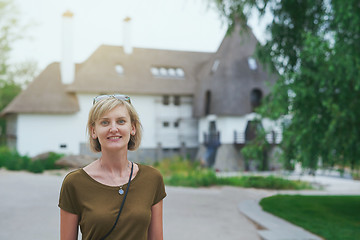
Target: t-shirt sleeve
[[67, 198], [160, 191]]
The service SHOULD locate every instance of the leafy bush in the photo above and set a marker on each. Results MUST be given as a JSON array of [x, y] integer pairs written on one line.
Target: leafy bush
[[180, 172], [36, 167], [12, 160], [269, 182]]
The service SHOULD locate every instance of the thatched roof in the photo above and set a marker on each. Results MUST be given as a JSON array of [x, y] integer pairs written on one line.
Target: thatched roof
[[231, 82], [110, 70], [98, 74], [46, 94]]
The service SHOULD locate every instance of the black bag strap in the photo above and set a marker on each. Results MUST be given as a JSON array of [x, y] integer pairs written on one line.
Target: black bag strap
[[122, 204]]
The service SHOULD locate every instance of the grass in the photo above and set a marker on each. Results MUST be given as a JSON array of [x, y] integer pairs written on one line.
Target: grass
[[331, 217], [179, 172]]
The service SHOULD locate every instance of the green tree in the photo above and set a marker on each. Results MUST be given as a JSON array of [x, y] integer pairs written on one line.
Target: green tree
[[314, 45], [16, 75]]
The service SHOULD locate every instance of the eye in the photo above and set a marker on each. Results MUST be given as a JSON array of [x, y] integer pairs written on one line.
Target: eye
[[121, 121], [104, 122]]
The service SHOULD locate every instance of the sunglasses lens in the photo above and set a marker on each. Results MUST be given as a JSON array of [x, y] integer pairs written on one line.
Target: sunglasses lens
[[117, 96]]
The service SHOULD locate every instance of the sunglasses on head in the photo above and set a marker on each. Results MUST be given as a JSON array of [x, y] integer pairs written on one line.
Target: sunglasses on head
[[117, 96]]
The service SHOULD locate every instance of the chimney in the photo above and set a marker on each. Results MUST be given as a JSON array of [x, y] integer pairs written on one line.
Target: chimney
[[67, 63], [127, 36]]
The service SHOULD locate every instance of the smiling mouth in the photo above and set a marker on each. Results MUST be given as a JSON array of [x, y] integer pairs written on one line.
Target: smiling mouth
[[112, 138]]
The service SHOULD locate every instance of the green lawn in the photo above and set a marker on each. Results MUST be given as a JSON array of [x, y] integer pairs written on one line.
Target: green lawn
[[331, 217]]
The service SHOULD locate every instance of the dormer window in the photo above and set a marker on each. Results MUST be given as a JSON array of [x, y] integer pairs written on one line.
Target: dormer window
[[252, 63], [155, 71], [167, 72], [215, 66], [163, 72], [119, 69], [180, 72], [172, 72]]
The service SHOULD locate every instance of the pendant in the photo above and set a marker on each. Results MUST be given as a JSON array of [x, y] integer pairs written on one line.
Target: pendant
[[121, 191]]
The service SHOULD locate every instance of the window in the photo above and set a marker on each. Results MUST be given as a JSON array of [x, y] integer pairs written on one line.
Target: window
[[166, 100], [180, 72], [215, 66], [155, 71], [172, 72], [255, 98], [176, 124], [207, 102], [166, 124], [119, 69], [63, 146], [168, 72], [177, 100], [252, 63], [163, 72]]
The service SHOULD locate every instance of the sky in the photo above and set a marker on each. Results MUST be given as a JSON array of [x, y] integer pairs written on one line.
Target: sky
[[190, 25]]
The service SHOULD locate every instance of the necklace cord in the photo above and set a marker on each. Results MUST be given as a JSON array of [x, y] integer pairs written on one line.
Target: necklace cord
[[122, 204]]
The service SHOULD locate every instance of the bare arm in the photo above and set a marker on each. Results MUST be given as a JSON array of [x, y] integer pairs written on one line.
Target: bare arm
[[68, 225], [156, 225]]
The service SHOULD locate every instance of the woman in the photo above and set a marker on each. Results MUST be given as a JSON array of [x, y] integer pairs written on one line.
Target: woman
[[93, 196]]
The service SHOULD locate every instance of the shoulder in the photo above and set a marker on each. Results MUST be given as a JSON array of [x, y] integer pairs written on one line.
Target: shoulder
[[73, 176], [150, 173], [149, 170]]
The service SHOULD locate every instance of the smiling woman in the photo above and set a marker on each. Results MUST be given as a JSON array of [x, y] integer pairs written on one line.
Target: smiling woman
[[99, 195]]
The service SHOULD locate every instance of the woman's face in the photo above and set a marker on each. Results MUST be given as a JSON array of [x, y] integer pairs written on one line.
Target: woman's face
[[113, 129]]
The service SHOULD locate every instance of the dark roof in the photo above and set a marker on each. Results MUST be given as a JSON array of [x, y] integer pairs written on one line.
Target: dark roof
[[231, 84], [46, 94]]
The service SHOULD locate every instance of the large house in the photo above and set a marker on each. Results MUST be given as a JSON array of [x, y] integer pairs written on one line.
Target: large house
[[193, 104]]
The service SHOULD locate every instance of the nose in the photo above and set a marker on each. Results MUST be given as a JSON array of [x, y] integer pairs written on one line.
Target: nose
[[113, 127]]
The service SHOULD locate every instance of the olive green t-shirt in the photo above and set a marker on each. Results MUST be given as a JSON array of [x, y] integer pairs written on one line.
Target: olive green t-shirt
[[97, 205]]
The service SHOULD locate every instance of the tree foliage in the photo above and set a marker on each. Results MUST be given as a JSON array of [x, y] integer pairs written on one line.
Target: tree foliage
[[13, 76], [314, 45]]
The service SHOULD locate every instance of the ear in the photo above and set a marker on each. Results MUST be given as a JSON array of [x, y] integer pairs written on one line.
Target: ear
[[133, 130], [93, 133]]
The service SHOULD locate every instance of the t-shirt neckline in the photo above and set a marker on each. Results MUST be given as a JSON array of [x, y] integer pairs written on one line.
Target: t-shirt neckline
[[108, 186]]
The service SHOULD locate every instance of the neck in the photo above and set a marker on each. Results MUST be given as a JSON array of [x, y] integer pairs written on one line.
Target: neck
[[115, 163]]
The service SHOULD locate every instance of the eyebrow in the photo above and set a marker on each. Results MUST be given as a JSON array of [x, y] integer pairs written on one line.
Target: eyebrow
[[107, 118]]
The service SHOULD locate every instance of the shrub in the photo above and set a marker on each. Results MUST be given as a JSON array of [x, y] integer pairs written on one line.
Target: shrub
[[12, 160], [181, 172], [36, 167]]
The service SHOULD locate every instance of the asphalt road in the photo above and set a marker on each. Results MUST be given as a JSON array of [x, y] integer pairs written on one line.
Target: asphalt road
[[28, 210], [28, 207]]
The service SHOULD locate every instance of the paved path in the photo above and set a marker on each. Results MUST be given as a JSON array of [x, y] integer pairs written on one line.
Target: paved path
[[28, 209]]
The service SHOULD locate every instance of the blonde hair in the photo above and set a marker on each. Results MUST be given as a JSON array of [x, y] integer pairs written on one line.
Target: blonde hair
[[103, 106]]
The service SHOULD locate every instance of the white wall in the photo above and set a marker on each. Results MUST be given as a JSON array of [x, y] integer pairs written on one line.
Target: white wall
[[145, 106], [185, 132], [38, 133]]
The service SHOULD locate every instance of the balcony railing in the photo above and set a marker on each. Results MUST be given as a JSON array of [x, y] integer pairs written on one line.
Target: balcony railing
[[274, 137], [212, 139]]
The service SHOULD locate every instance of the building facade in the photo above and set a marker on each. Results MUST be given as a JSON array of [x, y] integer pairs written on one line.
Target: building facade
[[192, 104]]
